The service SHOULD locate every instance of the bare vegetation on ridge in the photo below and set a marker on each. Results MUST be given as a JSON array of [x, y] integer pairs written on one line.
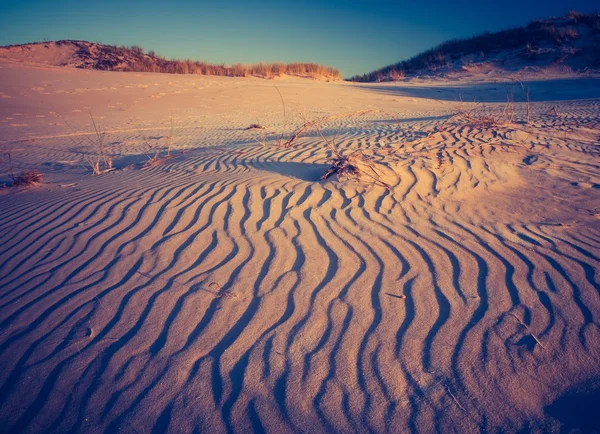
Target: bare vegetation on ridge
[[571, 40], [89, 55]]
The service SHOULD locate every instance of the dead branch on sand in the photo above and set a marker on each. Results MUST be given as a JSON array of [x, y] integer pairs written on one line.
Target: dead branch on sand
[[527, 328], [354, 166], [454, 399], [255, 127], [526, 94]]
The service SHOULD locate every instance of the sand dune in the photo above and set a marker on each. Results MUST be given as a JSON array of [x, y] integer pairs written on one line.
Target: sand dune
[[228, 290]]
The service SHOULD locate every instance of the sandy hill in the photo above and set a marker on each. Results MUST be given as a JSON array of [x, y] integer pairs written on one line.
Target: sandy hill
[[91, 55], [566, 44]]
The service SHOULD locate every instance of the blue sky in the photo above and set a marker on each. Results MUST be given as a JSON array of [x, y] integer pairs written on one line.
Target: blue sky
[[355, 36]]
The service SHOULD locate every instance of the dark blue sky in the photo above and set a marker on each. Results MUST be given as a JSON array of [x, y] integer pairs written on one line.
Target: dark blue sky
[[355, 36]]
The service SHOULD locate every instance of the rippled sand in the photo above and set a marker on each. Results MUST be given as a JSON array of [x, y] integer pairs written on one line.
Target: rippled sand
[[227, 289]]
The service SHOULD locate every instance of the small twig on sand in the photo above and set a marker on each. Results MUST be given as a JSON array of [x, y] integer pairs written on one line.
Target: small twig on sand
[[528, 329], [526, 94], [218, 291], [454, 399], [255, 127]]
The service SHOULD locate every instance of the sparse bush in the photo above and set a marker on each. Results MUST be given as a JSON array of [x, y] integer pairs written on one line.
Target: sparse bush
[[136, 49], [30, 177], [396, 74], [355, 166], [99, 161]]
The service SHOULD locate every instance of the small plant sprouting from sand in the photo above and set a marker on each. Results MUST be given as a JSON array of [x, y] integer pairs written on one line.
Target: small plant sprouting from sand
[[481, 116], [99, 160], [30, 177], [355, 165], [156, 154], [526, 94], [316, 123], [263, 141], [218, 292], [509, 108]]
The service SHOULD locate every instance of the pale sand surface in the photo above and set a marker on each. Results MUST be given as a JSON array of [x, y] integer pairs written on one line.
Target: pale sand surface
[[227, 289]]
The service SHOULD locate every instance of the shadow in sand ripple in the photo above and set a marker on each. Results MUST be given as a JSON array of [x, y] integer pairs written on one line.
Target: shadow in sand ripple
[[303, 171]]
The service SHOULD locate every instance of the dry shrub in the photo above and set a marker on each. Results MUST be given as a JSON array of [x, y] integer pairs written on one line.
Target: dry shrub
[[100, 161], [31, 177], [156, 153], [396, 74], [481, 118], [355, 166]]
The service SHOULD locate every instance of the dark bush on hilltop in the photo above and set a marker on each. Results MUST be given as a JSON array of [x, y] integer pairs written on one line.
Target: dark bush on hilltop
[[558, 32]]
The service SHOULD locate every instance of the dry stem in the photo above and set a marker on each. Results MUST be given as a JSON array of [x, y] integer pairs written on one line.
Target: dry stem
[[528, 329]]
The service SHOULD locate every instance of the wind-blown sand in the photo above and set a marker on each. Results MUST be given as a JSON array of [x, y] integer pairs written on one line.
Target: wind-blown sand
[[227, 289]]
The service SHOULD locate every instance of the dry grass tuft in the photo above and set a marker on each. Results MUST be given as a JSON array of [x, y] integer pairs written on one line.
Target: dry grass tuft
[[316, 123], [156, 154], [355, 166], [255, 127], [31, 177], [99, 159]]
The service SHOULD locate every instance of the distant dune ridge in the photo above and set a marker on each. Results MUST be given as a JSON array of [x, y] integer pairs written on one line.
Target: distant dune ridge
[[570, 43], [91, 55]]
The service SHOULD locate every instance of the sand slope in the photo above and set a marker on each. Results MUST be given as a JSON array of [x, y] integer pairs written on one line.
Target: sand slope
[[227, 290]]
